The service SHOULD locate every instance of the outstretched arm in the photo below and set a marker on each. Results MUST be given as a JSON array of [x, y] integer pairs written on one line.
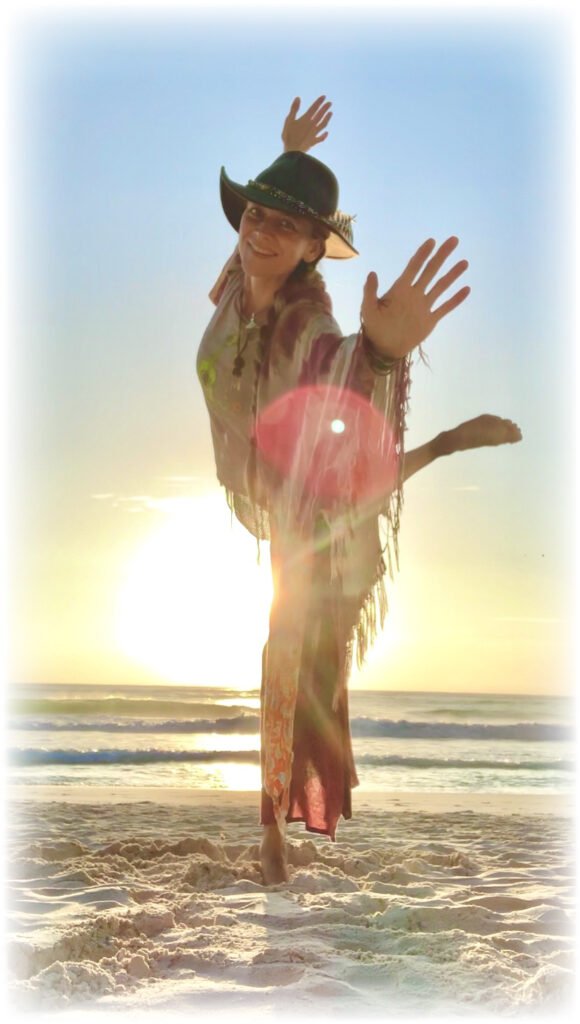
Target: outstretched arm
[[302, 133]]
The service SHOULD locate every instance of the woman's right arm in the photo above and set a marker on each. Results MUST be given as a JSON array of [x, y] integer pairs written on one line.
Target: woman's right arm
[[302, 133]]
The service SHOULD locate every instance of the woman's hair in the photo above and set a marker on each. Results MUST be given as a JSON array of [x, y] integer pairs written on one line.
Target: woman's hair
[[321, 232], [305, 287]]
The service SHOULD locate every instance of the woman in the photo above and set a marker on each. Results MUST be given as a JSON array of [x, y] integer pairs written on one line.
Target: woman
[[294, 408]]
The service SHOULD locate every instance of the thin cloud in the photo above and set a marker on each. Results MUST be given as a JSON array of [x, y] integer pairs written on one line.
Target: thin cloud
[[131, 502], [142, 502]]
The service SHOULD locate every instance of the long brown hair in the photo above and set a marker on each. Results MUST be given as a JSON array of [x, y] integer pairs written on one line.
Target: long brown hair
[[319, 231]]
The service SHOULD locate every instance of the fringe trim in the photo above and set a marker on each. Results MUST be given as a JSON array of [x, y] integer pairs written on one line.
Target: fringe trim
[[371, 620], [255, 518], [391, 514], [375, 605]]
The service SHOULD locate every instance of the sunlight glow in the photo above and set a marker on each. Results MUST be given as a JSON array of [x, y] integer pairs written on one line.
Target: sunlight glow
[[193, 604], [238, 777]]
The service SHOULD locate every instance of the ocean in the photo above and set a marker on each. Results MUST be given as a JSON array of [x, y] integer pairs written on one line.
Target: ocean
[[169, 736]]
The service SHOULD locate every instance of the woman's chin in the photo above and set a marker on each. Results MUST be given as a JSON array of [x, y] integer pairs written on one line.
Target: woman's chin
[[256, 266]]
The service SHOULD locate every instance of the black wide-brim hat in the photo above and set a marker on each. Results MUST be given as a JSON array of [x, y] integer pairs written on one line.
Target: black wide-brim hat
[[298, 184]]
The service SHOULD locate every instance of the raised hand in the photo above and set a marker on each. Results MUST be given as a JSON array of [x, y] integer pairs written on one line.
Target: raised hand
[[302, 133], [404, 316]]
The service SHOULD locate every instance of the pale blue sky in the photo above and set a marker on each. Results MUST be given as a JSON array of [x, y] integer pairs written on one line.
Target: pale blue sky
[[442, 124]]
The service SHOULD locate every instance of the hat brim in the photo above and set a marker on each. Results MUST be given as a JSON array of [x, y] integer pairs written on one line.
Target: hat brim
[[235, 196]]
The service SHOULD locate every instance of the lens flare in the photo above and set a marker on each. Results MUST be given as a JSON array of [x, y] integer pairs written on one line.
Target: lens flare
[[331, 440]]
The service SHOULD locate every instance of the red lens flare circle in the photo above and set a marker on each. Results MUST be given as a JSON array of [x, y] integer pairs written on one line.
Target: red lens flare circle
[[333, 441]]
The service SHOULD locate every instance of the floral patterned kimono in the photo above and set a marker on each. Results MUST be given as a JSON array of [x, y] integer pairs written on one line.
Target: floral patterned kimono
[[326, 551]]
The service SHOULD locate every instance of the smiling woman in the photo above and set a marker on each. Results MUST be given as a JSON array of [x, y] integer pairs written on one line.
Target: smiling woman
[[276, 241], [194, 574]]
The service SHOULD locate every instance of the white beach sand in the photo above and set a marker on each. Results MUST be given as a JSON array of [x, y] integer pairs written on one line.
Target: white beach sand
[[150, 903]]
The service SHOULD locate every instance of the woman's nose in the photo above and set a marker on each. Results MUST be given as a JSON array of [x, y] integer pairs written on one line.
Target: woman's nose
[[266, 227]]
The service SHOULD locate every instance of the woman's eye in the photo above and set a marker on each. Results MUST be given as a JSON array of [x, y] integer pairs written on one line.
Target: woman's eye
[[288, 224]]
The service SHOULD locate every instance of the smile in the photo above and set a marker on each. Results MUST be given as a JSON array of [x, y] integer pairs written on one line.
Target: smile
[[258, 251]]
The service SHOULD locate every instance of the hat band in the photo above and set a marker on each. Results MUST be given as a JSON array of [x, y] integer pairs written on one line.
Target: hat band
[[291, 201]]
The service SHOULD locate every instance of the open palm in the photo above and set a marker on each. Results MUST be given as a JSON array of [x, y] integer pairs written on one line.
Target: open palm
[[403, 317], [302, 133]]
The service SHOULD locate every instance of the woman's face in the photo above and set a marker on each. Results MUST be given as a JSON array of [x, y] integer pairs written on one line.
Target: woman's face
[[272, 243]]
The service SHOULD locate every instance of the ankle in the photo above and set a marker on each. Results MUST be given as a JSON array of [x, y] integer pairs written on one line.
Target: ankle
[[272, 839], [442, 444]]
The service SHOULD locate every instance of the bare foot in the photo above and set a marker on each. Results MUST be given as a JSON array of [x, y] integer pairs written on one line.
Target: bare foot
[[479, 432], [273, 856]]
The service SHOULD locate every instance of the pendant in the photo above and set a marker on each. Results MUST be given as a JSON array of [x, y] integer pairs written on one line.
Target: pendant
[[251, 323], [239, 364]]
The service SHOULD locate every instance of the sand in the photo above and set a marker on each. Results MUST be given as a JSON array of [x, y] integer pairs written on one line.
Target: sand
[[151, 903]]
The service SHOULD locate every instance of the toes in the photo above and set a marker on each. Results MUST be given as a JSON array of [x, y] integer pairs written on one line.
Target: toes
[[514, 431]]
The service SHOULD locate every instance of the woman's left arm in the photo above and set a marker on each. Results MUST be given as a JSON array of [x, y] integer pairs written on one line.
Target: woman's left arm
[[403, 317]]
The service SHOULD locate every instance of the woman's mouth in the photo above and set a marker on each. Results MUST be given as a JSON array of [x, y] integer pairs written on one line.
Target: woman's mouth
[[259, 251]]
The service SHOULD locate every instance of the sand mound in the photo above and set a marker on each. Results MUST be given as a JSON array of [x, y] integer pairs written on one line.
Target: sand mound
[[126, 907]]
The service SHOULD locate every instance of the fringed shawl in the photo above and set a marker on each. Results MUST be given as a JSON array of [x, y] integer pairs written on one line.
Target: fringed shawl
[[298, 345]]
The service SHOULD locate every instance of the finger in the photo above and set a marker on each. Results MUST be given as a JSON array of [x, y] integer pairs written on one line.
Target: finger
[[452, 303], [323, 123], [370, 291], [322, 113], [444, 283], [291, 115], [313, 106], [416, 262], [320, 138], [435, 264]]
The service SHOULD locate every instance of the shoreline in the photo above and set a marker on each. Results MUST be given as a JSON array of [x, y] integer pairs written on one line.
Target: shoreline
[[388, 801]]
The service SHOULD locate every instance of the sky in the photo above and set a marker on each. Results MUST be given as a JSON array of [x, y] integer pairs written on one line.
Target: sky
[[123, 563]]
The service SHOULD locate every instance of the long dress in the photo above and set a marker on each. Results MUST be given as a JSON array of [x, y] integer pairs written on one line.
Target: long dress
[[329, 547]]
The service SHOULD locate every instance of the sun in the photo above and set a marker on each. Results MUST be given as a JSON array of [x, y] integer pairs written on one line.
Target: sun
[[193, 603]]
